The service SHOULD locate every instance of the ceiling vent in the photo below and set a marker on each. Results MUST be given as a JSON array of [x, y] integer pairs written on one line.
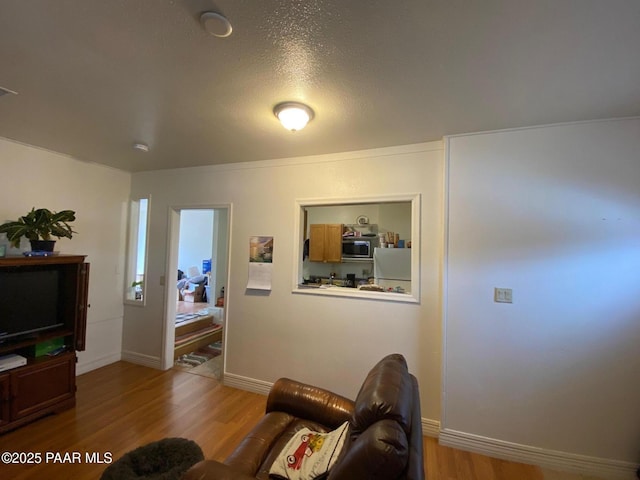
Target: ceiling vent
[[6, 91]]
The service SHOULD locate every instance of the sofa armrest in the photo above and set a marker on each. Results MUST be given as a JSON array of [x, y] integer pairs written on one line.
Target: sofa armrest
[[309, 402], [212, 470]]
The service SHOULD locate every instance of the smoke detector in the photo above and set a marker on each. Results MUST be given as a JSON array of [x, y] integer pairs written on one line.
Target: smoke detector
[[216, 24]]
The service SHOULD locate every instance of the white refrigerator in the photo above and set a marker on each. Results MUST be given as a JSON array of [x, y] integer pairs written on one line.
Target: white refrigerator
[[392, 268]]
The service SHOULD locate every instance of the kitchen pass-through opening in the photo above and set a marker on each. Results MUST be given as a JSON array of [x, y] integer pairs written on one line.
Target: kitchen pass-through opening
[[360, 247]]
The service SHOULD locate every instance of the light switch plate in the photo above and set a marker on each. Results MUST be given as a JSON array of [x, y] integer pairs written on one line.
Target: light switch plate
[[502, 295]]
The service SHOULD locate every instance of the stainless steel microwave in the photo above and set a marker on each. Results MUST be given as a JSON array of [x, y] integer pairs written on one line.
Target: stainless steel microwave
[[358, 248]]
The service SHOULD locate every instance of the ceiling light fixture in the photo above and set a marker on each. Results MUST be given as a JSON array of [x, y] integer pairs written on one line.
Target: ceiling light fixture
[[216, 24], [294, 116]]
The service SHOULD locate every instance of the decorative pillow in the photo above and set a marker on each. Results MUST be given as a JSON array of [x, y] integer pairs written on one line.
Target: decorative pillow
[[309, 455]]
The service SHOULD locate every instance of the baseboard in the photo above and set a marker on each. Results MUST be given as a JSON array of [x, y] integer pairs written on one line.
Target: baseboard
[[569, 462], [140, 359], [246, 383], [430, 428], [84, 367]]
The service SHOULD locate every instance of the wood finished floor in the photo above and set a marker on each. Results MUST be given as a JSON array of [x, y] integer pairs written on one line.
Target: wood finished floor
[[122, 406]]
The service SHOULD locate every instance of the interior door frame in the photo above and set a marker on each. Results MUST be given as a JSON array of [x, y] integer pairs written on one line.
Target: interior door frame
[[171, 278]]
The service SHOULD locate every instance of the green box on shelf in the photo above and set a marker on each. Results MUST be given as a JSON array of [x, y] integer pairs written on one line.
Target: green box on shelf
[[41, 349]]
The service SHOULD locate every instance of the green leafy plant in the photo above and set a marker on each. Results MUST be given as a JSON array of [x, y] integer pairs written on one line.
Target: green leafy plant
[[40, 224]]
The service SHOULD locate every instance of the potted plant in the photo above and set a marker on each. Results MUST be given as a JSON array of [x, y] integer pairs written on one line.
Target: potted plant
[[136, 289], [39, 226]]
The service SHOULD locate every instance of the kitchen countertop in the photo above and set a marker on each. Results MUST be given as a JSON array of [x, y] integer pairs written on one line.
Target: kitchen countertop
[[362, 288], [355, 293]]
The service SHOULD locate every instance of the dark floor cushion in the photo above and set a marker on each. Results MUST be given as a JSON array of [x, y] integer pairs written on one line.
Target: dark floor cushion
[[165, 459]]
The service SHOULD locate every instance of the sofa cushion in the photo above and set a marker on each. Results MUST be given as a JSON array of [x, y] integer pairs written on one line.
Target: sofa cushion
[[381, 452], [387, 393], [308, 401], [252, 450], [309, 454]]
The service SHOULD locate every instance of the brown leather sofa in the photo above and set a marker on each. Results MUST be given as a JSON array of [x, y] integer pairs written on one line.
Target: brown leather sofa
[[385, 428]]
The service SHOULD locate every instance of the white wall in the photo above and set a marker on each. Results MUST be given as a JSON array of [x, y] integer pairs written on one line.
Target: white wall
[[196, 239], [300, 336], [345, 214], [32, 177], [553, 213], [396, 217]]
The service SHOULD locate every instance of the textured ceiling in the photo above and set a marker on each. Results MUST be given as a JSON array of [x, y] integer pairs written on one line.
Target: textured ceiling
[[94, 77]]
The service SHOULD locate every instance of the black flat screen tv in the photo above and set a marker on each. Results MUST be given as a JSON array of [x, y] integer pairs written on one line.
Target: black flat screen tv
[[29, 301]]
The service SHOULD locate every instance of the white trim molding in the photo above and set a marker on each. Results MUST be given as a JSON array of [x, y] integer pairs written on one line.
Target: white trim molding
[[86, 366], [246, 383], [430, 428], [569, 462], [144, 360]]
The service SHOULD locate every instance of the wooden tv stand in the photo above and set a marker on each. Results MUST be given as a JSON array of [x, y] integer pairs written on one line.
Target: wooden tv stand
[[46, 384]]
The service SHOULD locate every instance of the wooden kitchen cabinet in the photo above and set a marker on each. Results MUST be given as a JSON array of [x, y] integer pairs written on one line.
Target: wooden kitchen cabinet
[[325, 242]]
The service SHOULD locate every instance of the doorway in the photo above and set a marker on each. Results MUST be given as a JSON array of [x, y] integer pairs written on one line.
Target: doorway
[[197, 275]]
